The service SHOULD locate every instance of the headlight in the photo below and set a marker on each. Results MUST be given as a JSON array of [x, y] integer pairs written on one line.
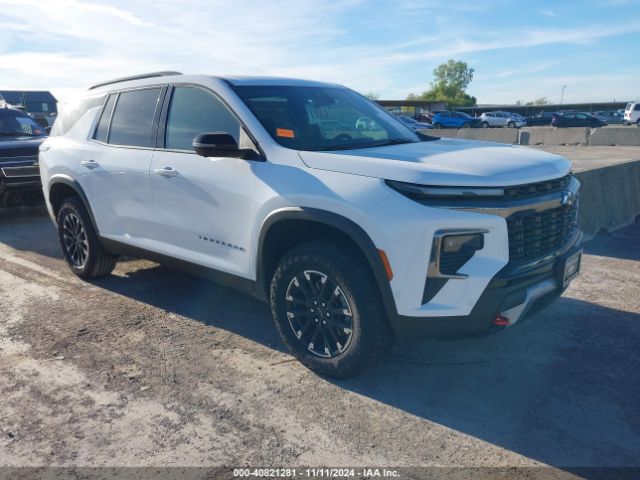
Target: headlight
[[425, 191]]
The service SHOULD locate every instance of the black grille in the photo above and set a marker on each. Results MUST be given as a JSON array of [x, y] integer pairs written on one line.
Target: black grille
[[539, 188], [535, 234], [30, 171], [451, 262]]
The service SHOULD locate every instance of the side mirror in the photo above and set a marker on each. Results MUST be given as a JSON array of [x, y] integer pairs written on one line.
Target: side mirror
[[220, 144]]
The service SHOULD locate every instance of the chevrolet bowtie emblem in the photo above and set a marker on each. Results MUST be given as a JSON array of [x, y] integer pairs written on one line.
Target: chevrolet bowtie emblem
[[568, 198]]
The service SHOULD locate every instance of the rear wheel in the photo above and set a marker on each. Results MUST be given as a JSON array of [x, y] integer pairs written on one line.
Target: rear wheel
[[511, 125], [327, 309], [80, 245], [437, 125], [484, 124], [466, 125]]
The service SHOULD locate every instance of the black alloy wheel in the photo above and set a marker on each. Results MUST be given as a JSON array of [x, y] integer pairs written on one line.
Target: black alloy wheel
[[319, 313]]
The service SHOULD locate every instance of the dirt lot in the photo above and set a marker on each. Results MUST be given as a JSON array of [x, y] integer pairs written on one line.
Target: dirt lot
[[154, 367]]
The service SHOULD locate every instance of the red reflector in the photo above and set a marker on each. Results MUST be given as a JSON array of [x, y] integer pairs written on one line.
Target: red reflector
[[501, 321]]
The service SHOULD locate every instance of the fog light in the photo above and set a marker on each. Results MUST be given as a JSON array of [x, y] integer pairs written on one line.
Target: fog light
[[453, 243]]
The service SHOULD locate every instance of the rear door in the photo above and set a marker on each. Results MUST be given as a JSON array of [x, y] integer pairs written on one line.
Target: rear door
[[115, 170], [445, 119], [203, 207], [583, 120]]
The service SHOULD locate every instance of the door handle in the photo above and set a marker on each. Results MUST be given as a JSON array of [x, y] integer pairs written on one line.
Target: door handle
[[89, 164], [166, 172]]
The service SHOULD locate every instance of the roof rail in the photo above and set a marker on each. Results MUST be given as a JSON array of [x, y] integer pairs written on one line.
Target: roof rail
[[134, 77]]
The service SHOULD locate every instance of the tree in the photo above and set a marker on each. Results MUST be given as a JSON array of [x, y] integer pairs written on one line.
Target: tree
[[372, 95], [539, 101], [451, 80]]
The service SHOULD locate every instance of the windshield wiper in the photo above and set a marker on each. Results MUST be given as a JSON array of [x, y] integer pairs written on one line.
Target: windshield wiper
[[395, 141], [356, 146]]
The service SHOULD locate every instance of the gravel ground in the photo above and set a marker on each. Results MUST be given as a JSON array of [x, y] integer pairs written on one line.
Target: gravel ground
[[154, 367]]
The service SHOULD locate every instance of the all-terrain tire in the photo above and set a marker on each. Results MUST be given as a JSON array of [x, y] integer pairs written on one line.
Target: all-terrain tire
[[90, 260], [350, 282]]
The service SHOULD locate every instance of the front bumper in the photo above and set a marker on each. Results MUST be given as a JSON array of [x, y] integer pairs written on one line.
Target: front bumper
[[24, 176], [513, 296]]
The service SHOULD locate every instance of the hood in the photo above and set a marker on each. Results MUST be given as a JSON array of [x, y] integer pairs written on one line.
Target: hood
[[19, 146], [445, 161]]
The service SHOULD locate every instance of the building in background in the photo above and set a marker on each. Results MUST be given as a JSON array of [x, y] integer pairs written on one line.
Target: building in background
[[40, 104], [413, 108]]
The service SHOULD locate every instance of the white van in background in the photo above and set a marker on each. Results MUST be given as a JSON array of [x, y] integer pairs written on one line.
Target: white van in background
[[632, 114]]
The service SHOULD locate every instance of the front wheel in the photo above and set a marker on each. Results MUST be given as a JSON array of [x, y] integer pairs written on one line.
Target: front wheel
[[80, 245], [511, 125], [437, 125], [484, 125], [328, 310]]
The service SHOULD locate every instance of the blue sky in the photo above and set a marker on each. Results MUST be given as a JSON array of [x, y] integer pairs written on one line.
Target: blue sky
[[519, 50]]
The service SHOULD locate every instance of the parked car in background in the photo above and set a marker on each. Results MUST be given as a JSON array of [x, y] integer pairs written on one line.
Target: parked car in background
[[413, 124], [612, 117], [542, 118], [20, 138], [501, 119], [576, 119], [454, 120], [424, 117], [632, 114]]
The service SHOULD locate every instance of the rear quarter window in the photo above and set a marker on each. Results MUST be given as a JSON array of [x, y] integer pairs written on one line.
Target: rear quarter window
[[102, 130]]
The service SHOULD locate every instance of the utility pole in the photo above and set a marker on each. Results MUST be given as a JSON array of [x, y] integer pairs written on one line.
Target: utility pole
[[562, 94]]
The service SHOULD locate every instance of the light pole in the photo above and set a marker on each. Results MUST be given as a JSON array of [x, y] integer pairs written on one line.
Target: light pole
[[562, 94]]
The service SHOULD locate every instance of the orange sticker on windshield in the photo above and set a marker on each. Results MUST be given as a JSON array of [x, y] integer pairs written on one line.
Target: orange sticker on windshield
[[285, 132]]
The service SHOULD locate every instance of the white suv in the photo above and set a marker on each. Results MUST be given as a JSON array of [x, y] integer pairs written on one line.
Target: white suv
[[501, 119], [632, 114], [354, 231]]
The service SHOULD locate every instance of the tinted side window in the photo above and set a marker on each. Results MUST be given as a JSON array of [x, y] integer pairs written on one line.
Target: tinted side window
[[102, 130], [133, 117], [637, 107], [193, 111]]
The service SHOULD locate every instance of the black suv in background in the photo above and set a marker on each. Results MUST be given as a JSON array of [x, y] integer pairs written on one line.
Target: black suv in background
[[542, 118], [576, 119], [20, 137]]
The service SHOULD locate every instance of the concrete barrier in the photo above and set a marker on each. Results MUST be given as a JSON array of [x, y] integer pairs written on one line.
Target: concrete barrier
[[613, 135], [619, 136], [554, 136], [500, 135], [609, 197]]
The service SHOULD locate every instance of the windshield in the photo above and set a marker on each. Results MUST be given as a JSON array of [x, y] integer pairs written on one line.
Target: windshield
[[323, 118], [15, 122]]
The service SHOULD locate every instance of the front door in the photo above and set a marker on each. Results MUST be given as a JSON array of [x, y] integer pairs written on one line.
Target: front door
[[203, 206]]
